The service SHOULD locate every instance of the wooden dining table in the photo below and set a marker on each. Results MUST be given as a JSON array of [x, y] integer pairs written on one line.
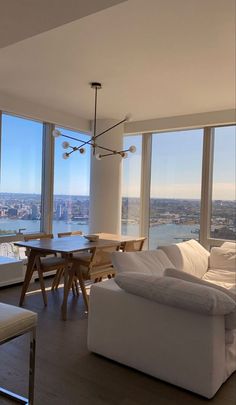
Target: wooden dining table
[[66, 247]]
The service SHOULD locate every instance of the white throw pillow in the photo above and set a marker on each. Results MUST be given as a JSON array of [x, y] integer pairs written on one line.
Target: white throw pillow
[[223, 258], [146, 261], [230, 319], [189, 277], [188, 256], [177, 293]]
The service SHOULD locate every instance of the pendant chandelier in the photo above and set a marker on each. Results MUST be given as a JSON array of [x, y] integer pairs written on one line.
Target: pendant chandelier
[[98, 151]]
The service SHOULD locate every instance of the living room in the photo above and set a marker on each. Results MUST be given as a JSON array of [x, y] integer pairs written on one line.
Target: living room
[[167, 75]]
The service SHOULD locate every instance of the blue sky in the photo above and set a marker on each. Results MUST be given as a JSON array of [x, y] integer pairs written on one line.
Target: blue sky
[[176, 163]]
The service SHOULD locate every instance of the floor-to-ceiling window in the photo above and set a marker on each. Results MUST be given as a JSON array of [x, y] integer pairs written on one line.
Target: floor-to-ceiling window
[[71, 186], [175, 187], [131, 186], [223, 220], [21, 175]]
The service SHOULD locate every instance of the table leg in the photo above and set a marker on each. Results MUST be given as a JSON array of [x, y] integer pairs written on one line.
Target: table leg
[[83, 289], [28, 275], [65, 293]]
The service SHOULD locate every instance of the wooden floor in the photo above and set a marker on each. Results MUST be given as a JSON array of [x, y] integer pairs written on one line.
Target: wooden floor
[[67, 374]]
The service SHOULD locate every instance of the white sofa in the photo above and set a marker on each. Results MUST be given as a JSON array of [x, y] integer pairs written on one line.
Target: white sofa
[[160, 322]]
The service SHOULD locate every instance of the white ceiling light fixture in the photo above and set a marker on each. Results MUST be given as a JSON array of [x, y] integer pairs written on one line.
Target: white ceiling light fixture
[[98, 151]]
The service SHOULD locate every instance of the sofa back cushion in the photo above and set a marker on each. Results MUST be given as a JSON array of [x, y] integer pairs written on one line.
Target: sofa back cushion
[[177, 293], [188, 256], [229, 245], [146, 261], [223, 258]]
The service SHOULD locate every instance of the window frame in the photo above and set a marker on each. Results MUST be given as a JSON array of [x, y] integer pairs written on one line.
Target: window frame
[[206, 184], [47, 186], [19, 236]]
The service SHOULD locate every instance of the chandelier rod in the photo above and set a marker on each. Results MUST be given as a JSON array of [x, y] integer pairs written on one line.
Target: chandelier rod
[[113, 126], [95, 115]]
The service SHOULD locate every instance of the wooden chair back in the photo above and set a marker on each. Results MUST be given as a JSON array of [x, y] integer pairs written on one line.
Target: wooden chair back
[[72, 233], [99, 261], [38, 236], [133, 245]]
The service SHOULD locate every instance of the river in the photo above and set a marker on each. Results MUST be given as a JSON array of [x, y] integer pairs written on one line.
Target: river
[[158, 235]]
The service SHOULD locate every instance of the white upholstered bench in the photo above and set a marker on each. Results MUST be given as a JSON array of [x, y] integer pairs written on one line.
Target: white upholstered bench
[[14, 322]]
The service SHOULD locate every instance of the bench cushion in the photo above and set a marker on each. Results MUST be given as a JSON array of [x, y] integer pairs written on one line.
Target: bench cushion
[[15, 321]]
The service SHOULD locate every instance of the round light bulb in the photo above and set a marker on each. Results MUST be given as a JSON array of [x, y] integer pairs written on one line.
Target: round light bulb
[[124, 155], [132, 149], [82, 150], [56, 133], [65, 155], [65, 145], [98, 156]]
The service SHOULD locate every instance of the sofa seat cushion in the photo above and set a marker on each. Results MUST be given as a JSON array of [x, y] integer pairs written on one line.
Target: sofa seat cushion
[[223, 258], [146, 261], [188, 256], [223, 278], [15, 321], [177, 293]]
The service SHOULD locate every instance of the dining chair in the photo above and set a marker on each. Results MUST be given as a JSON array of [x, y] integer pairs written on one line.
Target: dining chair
[[44, 262], [60, 273], [135, 245], [92, 267], [72, 233]]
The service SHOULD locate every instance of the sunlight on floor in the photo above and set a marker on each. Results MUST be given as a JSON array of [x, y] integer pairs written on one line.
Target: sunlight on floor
[[61, 286]]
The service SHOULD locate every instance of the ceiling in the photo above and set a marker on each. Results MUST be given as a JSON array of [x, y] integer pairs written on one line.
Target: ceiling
[[155, 58], [25, 18]]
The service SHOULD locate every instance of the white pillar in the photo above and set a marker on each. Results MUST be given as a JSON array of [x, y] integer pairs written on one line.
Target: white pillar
[[105, 182]]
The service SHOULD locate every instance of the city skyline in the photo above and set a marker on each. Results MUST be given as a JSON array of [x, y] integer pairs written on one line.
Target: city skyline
[[176, 163]]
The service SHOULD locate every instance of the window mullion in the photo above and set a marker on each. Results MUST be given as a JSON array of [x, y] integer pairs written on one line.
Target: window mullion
[[145, 184], [206, 191], [47, 178]]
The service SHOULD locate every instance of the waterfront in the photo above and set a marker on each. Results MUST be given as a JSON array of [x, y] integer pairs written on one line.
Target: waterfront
[[158, 235], [171, 220]]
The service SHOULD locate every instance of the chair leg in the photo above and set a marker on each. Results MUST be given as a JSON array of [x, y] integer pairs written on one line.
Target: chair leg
[[76, 286], [68, 286], [73, 287], [40, 273], [57, 279]]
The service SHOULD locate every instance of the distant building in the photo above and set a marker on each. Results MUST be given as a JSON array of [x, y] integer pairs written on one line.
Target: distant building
[[12, 212]]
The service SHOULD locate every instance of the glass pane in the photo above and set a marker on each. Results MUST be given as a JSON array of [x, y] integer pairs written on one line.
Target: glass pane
[[21, 173], [223, 220], [71, 187], [175, 187], [131, 186]]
